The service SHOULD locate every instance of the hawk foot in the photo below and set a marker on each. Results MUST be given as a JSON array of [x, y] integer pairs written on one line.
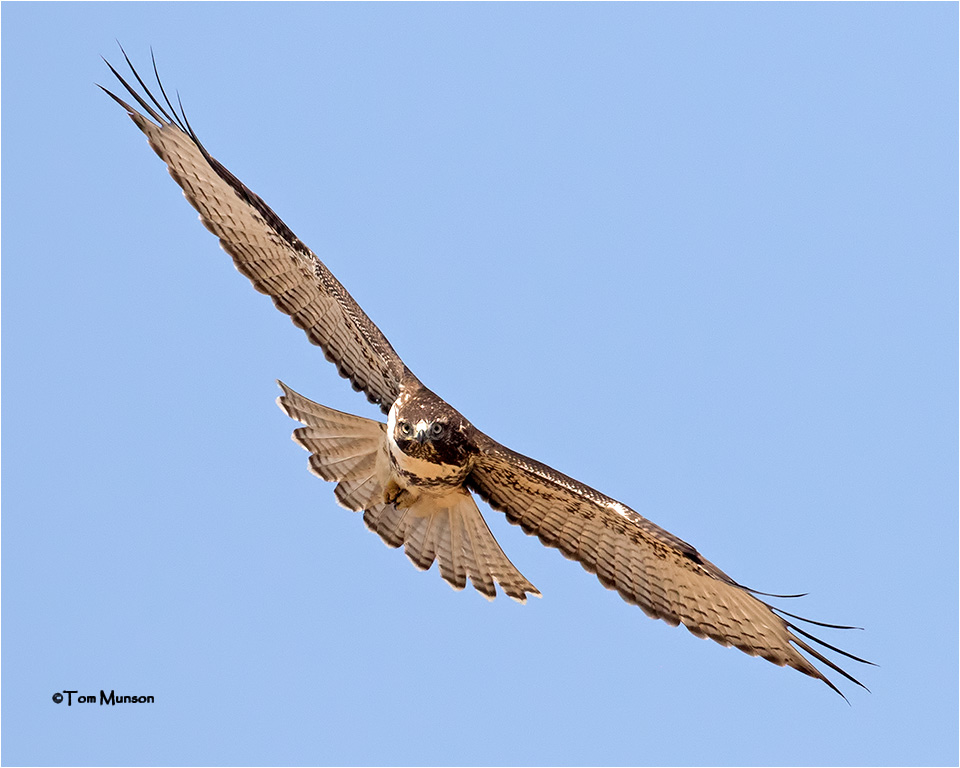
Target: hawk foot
[[399, 497]]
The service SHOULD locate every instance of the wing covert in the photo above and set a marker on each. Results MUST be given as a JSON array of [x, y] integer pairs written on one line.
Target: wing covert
[[266, 251]]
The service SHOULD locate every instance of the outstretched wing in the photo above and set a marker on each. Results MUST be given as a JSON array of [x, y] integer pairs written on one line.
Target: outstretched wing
[[645, 564], [266, 250]]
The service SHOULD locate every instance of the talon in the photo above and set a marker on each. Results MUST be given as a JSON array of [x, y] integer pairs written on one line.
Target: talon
[[394, 494]]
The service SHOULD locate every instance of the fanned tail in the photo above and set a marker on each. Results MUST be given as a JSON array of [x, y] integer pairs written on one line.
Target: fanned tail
[[351, 451]]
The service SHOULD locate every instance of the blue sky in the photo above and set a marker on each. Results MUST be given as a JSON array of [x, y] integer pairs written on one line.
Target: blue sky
[[701, 257]]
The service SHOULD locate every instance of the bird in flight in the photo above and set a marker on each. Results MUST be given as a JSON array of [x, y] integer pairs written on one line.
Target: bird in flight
[[414, 477]]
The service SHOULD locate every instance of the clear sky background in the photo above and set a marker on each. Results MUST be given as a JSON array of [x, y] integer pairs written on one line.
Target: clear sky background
[[701, 257]]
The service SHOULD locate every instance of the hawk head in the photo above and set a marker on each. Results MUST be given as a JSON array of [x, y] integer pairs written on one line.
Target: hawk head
[[425, 428]]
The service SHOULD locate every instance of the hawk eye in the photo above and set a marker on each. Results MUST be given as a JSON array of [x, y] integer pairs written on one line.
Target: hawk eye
[[436, 429], [405, 429]]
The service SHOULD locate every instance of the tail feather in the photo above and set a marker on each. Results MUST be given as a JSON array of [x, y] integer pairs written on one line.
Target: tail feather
[[450, 559], [344, 448], [330, 468], [360, 492], [389, 524], [420, 543], [495, 562], [477, 567]]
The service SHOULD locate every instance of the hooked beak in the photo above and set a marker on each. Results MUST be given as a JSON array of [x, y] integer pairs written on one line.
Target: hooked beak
[[421, 433]]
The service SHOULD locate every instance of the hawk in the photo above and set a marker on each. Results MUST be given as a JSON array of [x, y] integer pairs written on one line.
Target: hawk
[[414, 477]]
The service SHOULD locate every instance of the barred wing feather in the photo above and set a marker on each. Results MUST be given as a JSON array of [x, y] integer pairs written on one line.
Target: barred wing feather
[[265, 250], [645, 564]]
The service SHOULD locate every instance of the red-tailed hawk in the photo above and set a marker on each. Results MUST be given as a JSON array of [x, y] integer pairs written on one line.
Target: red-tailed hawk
[[414, 478]]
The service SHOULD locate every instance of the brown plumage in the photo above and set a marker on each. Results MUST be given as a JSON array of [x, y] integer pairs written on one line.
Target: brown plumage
[[412, 477]]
